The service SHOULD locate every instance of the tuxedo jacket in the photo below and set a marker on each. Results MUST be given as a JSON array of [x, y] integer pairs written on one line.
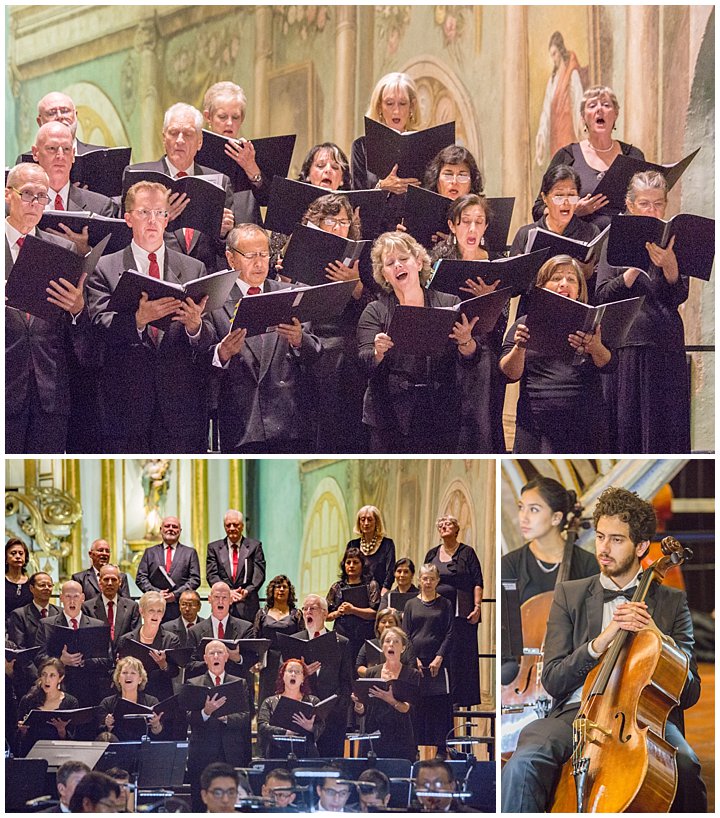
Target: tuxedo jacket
[[250, 576], [213, 740], [210, 250], [140, 379], [576, 619], [263, 389], [127, 614], [236, 629], [177, 626], [184, 569], [36, 349], [91, 589], [327, 682]]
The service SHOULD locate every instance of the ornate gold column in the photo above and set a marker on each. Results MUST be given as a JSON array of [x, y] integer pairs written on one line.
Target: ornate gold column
[[345, 49], [236, 485], [199, 517], [146, 48], [108, 512], [642, 71], [30, 472], [263, 63], [71, 484]]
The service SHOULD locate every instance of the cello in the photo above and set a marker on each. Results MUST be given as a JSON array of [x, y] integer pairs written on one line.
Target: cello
[[620, 760], [524, 699]]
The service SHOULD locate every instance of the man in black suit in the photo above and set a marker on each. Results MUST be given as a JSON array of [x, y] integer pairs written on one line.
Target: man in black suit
[[37, 402], [213, 738], [179, 561], [189, 604], [262, 406], [152, 393], [87, 679], [220, 625], [99, 554], [182, 138], [587, 615], [121, 613], [238, 561], [326, 681]]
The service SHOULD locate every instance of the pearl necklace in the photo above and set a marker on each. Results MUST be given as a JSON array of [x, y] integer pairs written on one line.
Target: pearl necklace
[[369, 548], [602, 150]]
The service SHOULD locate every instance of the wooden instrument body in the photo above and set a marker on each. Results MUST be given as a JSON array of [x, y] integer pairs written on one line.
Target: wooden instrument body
[[632, 766]]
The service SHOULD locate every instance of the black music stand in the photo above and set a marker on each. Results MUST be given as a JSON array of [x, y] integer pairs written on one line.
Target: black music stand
[[25, 779], [480, 782]]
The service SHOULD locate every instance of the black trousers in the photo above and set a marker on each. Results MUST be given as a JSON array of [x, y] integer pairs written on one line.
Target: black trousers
[[33, 431], [530, 777]]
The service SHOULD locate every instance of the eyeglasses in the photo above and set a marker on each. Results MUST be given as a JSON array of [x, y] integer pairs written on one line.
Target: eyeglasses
[[250, 256], [558, 200], [338, 793], [310, 608], [644, 204], [145, 215], [31, 198], [463, 177], [330, 221], [220, 793]]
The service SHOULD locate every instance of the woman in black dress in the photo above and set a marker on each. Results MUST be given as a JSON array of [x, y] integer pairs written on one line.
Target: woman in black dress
[[378, 550], [592, 157], [130, 678], [356, 622], [561, 407], [649, 393], [17, 589], [461, 583], [46, 694], [279, 615], [413, 402], [390, 711], [293, 683], [386, 618], [428, 622]]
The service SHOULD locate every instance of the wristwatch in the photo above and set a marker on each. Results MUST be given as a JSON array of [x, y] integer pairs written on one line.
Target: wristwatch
[[256, 179]]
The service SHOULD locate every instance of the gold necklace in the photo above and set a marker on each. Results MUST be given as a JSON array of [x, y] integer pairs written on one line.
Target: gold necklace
[[369, 548]]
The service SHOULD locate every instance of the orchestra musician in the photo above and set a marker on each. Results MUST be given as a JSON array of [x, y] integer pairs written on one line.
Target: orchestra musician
[[586, 615]]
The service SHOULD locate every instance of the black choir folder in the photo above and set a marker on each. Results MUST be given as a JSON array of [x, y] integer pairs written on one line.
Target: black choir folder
[[402, 690], [192, 697], [516, 273], [552, 317], [558, 245], [98, 227], [251, 650], [426, 330], [374, 654], [290, 199], [101, 170], [262, 313], [694, 242], [38, 263], [435, 685], [93, 642], [411, 151], [273, 155], [126, 708], [141, 652], [310, 250], [398, 600], [323, 649], [206, 198], [126, 297], [614, 183], [21, 655], [286, 708], [356, 595], [81, 715]]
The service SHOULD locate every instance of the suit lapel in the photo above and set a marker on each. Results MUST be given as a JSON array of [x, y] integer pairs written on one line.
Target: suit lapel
[[225, 556], [595, 608], [8, 259], [168, 274], [270, 341]]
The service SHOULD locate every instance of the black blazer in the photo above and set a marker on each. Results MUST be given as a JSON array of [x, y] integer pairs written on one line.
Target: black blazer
[[576, 618], [127, 614], [184, 571], [159, 681], [262, 393], [137, 376], [251, 572], [91, 589], [210, 250], [177, 627], [23, 623], [325, 683], [236, 629]]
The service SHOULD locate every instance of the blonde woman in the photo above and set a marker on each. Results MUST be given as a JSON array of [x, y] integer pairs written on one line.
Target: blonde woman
[[378, 550], [130, 679]]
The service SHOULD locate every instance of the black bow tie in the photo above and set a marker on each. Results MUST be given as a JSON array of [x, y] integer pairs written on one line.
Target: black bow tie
[[628, 593]]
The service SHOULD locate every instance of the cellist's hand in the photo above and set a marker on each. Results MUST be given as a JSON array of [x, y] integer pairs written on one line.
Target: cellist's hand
[[630, 616]]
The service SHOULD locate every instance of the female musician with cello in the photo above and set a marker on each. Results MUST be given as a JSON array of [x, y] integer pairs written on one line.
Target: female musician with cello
[[548, 556], [609, 621]]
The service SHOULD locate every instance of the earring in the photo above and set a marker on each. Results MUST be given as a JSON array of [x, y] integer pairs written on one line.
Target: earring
[[482, 241], [454, 239]]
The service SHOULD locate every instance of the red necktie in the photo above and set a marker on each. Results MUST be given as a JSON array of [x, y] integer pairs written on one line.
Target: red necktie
[[111, 620], [317, 633], [221, 631], [59, 202], [168, 559], [234, 561], [187, 231], [254, 290], [217, 681], [154, 272], [43, 613], [74, 624]]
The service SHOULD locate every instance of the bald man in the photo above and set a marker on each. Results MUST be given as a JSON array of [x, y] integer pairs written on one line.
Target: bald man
[[59, 107], [37, 401], [180, 561]]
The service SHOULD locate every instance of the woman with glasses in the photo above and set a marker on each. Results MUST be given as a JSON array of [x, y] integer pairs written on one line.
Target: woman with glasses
[[278, 615], [591, 157], [461, 582], [385, 618], [649, 392]]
